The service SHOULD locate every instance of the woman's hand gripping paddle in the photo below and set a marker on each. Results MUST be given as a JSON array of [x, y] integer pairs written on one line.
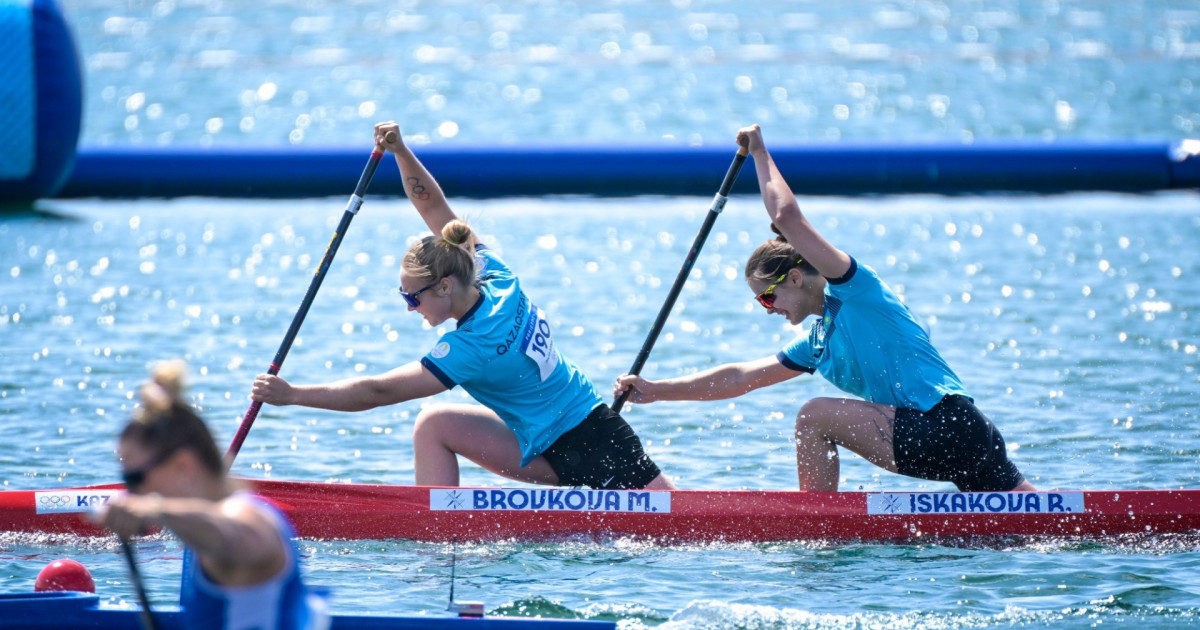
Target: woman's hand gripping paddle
[[352, 207], [718, 205]]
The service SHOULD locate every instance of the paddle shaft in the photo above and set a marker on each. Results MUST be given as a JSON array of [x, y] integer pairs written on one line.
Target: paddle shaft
[[352, 207], [135, 574], [718, 205]]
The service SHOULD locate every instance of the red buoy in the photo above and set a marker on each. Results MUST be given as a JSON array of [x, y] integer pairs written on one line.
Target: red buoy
[[65, 575]]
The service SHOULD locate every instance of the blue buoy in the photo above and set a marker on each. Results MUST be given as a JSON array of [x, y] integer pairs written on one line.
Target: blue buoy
[[41, 100]]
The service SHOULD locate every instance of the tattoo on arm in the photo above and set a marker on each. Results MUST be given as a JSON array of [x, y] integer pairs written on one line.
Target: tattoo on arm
[[416, 189]]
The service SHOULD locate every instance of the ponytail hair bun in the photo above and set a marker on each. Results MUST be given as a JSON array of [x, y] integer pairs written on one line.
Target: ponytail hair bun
[[165, 389], [450, 254], [458, 233], [778, 235], [166, 423]]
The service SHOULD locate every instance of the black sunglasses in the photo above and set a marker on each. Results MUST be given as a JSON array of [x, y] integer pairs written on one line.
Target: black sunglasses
[[411, 298], [136, 477]]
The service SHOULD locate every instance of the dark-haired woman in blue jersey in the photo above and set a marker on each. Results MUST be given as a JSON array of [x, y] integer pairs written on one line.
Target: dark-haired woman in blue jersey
[[540, 420], [912, 415]]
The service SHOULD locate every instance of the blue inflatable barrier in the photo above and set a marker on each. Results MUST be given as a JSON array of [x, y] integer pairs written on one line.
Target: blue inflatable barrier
[[41, 99], [525, 170]]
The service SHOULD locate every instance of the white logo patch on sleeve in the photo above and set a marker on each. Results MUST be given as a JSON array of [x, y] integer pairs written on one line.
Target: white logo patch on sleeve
[[440, 350]]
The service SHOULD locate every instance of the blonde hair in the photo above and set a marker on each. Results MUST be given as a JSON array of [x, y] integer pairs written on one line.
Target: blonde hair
[[165, 423], [450, 255], [775, 258]]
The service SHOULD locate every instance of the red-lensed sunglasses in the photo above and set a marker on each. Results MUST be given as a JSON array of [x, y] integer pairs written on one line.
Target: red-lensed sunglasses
[[767, 297]]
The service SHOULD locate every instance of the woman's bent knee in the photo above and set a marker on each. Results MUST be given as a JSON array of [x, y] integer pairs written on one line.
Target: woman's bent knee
[[815, 416], [429, 420]]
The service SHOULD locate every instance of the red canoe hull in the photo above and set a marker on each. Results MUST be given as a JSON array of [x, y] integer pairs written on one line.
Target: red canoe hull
[[360, 511]]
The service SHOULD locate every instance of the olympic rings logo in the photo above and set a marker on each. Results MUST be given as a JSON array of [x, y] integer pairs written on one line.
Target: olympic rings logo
[[62, 501], [54, 501]]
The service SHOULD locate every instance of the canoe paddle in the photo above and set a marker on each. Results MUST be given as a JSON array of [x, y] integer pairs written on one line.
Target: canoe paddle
[[135, 575], [352, 207], [718, 204]]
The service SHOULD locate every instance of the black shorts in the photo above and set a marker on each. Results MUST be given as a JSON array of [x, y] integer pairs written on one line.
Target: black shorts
[[954, 442], [602, 452]]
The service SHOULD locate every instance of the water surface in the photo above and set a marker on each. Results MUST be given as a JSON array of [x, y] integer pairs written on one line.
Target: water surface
[[1069, 318]]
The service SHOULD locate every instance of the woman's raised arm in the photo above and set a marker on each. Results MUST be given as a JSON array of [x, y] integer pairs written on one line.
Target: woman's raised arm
[[785, 212], [420, 186]]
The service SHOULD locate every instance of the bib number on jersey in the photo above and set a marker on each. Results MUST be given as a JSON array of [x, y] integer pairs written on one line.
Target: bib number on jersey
[[538, 344]]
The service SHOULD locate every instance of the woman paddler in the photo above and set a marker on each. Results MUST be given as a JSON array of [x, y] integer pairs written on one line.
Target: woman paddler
[[914, 417], [541, 420], [241, 568]]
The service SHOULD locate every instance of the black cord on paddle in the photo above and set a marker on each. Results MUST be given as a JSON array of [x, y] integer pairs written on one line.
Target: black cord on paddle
[[463, 609], [718, 205], [453, 558], [135, 575]]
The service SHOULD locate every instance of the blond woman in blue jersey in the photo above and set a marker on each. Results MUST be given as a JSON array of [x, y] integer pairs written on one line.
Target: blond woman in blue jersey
[[540, 420], [241, 566]]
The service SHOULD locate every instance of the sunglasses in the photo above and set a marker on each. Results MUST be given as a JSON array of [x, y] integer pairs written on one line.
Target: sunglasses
[[767, 297], [136, 477], [411, 298]]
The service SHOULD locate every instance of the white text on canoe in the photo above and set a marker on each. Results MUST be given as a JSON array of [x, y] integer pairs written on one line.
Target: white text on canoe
[[559, 500], [975, 503]]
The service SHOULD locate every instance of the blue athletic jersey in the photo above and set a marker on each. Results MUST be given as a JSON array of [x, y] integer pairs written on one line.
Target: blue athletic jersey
[[868, 343], [503, 354], [280, 603]]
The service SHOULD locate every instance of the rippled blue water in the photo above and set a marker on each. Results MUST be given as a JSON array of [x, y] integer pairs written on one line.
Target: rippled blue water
[[1068, 317], [318, 72]]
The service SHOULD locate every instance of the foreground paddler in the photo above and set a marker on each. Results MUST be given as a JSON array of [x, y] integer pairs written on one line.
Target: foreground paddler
[[915, 417], [541, 420], [241, 568]]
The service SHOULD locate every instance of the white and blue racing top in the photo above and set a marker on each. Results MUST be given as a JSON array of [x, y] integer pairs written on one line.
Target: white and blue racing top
[[280, 603]]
